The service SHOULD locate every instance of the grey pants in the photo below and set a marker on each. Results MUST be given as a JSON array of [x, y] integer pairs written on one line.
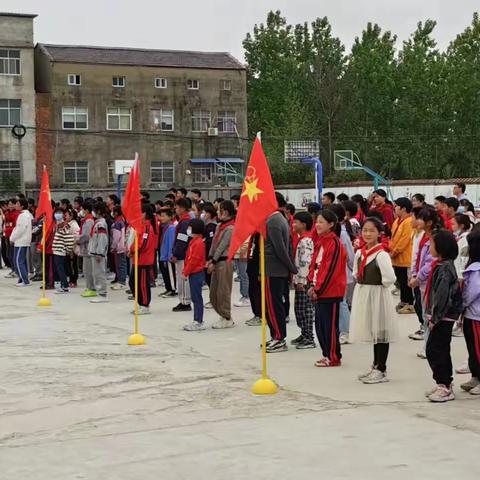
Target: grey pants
[[88, 273], [99, 270], [183, 287], [221, 289], [36, 257]]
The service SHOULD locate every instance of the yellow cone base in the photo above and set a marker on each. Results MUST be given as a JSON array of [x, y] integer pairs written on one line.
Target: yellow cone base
[[44, 302], [264, 386], [136, 339]]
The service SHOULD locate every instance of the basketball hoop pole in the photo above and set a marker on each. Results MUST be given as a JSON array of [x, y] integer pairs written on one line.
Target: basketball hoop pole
[[119, 187], [318, 174]]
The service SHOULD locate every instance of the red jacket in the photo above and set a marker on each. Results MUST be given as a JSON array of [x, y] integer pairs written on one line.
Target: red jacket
[[147, 246], [387, 214], [195, 258], [328, 271], [10, 222]]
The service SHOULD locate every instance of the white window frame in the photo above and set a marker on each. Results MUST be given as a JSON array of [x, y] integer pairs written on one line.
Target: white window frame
[[6, 62], [205, 173], [75, 167], [9, 109], [111, 177], [119, 115], [10, 168], [75, 76], [224, 121], [160, 82], [75, 113], [163, 114], [119, 77], [162, 166], [201, 115], [226, 83], [193, 84]]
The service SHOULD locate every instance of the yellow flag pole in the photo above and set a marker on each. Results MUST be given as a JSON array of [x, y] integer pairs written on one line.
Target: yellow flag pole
[[264, 386], [44, 301], [137, 338]]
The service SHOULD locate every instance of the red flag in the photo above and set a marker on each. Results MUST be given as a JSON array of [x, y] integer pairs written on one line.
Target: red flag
[[132, 201], [45, 201], [257, 201]]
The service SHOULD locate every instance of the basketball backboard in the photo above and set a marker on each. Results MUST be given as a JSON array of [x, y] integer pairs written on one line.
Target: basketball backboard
[[297, 150], [123, 167], [346, 160]]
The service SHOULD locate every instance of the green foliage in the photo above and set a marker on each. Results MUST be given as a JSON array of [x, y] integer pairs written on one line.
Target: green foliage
[[411, 113]]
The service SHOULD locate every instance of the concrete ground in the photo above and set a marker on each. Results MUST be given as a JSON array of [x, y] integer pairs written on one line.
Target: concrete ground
[[77, 403]]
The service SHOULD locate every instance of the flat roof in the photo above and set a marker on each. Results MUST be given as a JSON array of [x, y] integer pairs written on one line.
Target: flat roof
[[140, 57], [11, 14]]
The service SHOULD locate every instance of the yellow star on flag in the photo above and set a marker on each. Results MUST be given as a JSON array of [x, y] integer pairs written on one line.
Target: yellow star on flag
[[251, 190]]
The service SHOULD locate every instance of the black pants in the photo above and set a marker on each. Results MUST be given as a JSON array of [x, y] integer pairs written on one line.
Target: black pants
[[10, 248], [3, 251], [59, 262], [49, 271], [438, 352], [71, 267], [380, 356], [471, 331], [286, 299], [144, 287], [276, 315], [254, 293], [328, 331], [167, 270], [418, 304], [406, 294]]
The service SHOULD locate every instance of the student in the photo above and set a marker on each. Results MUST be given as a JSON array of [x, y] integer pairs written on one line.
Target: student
[[21, 238], [197, 196], [182, 208], [441, 208], [461, 227], [167, 268], [62, 247], [362, 206], [401, 252], [380, 204], [342, 197], [254, 286], [328, 199], [459, 191], [328, 275], [279, 266], [443, 306], [471, 315], [118, 248], [351, 211], [304, 308], [373, 313], [210, 216], [241, 259], [86, 226], [418, 200], [2, 221], [98, 251], [452, 205], [194, 270], [147, 245], [11, 215], [220, 268]]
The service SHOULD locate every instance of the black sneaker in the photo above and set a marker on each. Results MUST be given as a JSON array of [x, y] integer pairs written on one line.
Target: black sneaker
[[305, 343], [277, 346], [268, 342], [163, 294], [173, 293], [297, 340], [181, 307], [128, 292]]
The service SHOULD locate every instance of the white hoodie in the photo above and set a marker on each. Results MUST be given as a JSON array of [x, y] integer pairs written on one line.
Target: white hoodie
[[22, 233]]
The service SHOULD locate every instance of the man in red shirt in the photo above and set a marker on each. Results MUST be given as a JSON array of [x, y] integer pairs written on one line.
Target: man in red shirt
[[11, 215], [452, 205], [441, 208], [379, 199]]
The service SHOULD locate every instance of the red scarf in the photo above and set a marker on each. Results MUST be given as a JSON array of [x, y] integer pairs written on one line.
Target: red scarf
[[435, 263], [87, 217], [421, 244], [221, 227], [365, 254]]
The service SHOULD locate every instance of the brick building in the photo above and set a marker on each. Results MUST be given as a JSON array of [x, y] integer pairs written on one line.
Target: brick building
[[17, 102], [185, 113]]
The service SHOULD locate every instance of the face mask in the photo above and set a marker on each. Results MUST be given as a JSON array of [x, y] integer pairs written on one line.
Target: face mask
[[94, 214], [189, 232], [82, 213], [59, 217], [202, 216], [461, 209]]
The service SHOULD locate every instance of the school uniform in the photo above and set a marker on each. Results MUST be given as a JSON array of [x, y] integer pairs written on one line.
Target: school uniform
[[98, 251], [179, 251], [210, 229], [194, 270], [118, 248], [62, 247], [253, 269], [167, 268], [83, 241], [21, 238]]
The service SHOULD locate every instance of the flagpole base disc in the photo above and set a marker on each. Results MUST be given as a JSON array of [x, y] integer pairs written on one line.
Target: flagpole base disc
[[136, 339], [264, 386], [44, 302]]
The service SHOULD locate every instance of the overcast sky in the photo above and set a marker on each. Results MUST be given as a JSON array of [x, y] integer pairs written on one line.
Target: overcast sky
[[221, 25]]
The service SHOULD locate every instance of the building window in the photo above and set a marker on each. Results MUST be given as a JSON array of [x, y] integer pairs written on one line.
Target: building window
[[9, 171], [226, 122], [74, 79], [162, 172], [161, 83], [75, 172], [162, 120], [202, 174], [111, 177], [10, 112], [193, 84], [118, 82], [119, 119], [200, 121], [225, 85], [75, 118], [9, 62]]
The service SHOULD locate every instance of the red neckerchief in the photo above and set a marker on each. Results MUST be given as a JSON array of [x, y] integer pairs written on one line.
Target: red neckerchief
[[185, 216], [119, 218], [222, 226], [89, 215], [365, 254], [435, 264], [421, 244]]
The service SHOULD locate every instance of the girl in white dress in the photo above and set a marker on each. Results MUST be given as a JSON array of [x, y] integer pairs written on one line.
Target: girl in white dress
[[373, 316]]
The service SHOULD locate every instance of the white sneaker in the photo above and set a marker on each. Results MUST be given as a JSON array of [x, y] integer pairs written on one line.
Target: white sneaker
[[463, 369], [118, 286], [60, 291], [366, 374], [254, 322], [243, 302], [142, 310], [442, 394], [344, 338], [21, 284], [470, 385], [376, 376], [475, 391], [99, 299], [208, 305], [10, 274], [194, 327], [223, 323]]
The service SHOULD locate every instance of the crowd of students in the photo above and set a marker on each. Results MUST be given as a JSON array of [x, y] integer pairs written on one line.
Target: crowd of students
[[345, 260]]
